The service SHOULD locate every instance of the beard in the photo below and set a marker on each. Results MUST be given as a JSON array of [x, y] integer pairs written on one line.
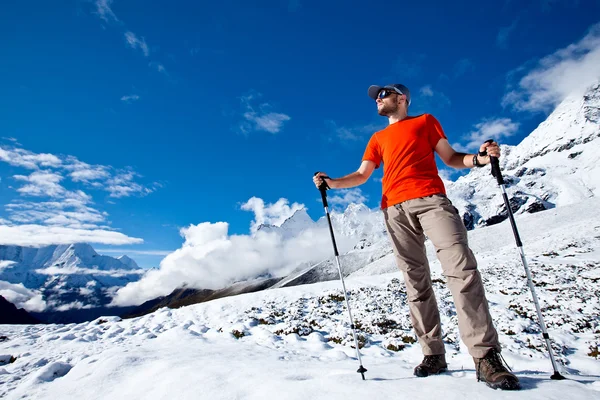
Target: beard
[[387, 109]]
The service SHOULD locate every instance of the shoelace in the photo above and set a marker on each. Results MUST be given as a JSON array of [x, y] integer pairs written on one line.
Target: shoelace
[[495, 360]]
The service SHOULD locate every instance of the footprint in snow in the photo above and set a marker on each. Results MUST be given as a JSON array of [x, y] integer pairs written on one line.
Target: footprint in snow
[[460, 374], [187, 324], [53, 371], [298, 377]]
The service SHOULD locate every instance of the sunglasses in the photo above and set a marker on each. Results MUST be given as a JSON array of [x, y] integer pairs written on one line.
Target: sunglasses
[[385, 93]]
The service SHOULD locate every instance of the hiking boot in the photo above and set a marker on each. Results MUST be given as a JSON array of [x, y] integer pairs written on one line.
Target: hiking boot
[[431, 365], [491, 369]]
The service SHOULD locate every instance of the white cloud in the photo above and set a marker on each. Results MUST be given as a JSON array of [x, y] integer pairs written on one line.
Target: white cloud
[[446, 174], [130, 98], [72, 270], [504, 33], [76, 305], [6, 264], [119, 183], [123, 185], [263, 119], [22, 297], [71, 212], [26, 159], [210, 258], [136, 43], [104, 11], [270, 214], [140, 252], [40, 235], [83, 172], [158, 67], [567, 71], [356, 133], [462, 67], [41, 183], [428, 98], [426, 91], [496, 128], [344, 197], [271, 122], [54, 206]]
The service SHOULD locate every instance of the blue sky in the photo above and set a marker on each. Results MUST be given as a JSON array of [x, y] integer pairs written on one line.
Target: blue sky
[[124, 121]]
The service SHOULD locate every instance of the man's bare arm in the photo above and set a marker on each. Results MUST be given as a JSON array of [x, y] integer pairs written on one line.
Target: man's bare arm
[[356, 178], [455, 159]]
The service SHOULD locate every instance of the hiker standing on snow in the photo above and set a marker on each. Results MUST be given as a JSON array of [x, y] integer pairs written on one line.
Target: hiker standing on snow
[[414, 204]]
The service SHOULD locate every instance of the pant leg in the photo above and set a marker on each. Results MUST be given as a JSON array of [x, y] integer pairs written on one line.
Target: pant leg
[[444, 227], [408, 241]]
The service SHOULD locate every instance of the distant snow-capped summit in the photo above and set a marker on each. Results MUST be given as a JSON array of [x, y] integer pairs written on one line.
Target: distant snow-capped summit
[[128, 261], [68, 276], [298, 222], [355, 222]]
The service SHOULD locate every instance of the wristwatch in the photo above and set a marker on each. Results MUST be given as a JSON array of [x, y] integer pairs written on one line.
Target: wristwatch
[[476, 162]]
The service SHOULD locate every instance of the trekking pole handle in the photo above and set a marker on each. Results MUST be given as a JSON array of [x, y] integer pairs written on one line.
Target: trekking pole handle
[[323, 189], [496, 173]]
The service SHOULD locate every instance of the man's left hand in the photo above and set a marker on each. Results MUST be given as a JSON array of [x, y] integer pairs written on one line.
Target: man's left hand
[[492, 149]]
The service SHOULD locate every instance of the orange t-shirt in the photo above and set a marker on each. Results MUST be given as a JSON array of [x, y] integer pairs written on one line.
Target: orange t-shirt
[[406, 148]]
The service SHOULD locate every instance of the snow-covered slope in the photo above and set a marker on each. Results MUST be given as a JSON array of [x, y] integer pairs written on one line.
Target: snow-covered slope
[[557, 164], [68, 276], [295, 342]]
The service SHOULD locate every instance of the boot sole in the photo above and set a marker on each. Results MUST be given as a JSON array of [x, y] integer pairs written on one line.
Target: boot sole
[[504, 385], [421, 375]]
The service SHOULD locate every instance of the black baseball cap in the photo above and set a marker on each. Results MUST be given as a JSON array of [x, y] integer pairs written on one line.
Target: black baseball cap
[[397, 87]]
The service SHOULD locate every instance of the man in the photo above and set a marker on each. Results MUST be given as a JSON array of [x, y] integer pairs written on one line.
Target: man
[[414, 204]]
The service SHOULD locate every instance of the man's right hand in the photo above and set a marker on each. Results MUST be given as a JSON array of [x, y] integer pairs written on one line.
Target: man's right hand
[[319, 178]]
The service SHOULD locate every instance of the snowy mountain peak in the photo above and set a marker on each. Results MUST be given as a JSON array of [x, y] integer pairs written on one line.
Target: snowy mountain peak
[[355, 209], [64, 273], [73, 253], [296, 223], [128, 261], [574, 121], [557, 164], [300, 220]]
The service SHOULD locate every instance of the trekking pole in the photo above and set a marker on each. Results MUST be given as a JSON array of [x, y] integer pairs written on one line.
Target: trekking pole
[[496, 173], [323, 188]]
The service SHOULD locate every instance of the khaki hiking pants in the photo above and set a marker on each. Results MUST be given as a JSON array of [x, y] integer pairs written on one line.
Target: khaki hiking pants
[[435, 216]]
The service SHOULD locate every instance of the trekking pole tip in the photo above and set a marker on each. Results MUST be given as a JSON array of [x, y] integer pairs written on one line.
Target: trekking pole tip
[[361, 370], [557, 376]]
